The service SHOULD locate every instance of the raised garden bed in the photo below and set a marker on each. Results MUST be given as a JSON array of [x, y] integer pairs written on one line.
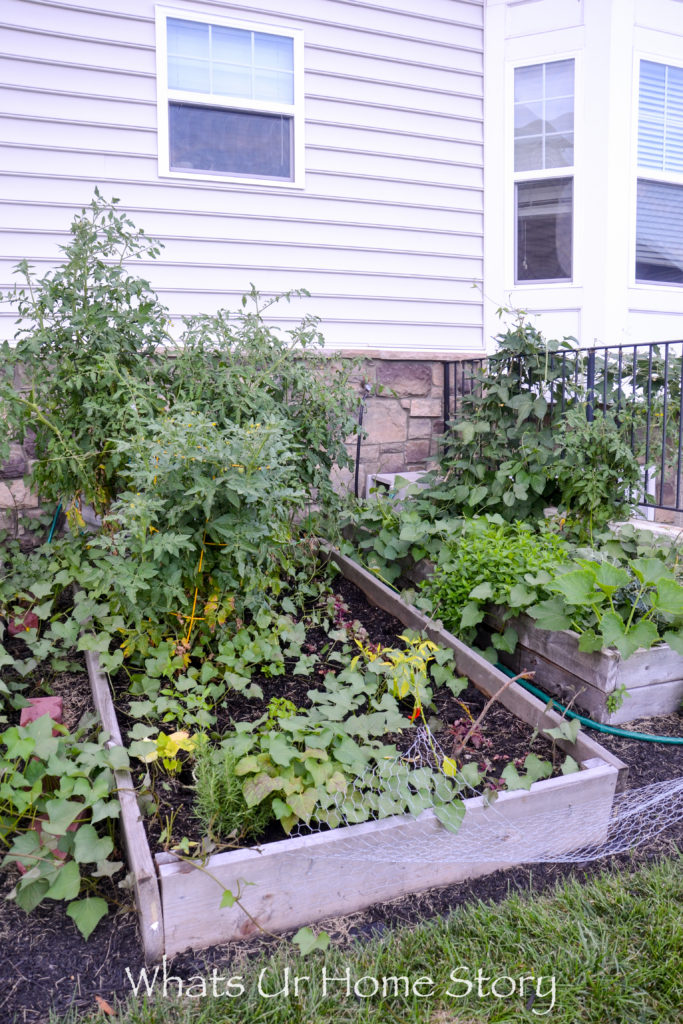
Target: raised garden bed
[[303, 879], [652, 680]]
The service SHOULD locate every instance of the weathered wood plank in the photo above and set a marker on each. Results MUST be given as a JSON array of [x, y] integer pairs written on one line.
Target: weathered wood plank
[[140, 861], [485, 676], [301, 880]]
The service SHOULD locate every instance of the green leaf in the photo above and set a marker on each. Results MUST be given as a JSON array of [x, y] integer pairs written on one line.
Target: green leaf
[[675, 640], [535, 770], [89, 848], [29, 896], [67, 884], [227, 899], [451, 814], [281, 749], [484, 592], [87, 914], [257, 789], [506, 641], [308, 941], [650, 570], [550, 614], [92, 642], [589, 641], [471, 615], [303, 804], [669, 597], [577, 587], [644, 634], [540, 407], [567, 730], [520, 596], [613, 629], [611, 578], [569, 766], [61, 814]]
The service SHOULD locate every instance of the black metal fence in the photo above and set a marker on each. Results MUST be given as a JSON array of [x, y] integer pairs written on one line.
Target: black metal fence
[[639, 384]]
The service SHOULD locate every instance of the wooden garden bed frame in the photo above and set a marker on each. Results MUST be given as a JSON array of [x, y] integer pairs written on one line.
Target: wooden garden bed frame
[[304, 879]]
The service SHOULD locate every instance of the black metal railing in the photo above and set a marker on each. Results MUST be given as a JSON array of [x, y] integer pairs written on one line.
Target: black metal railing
[[639, 384]]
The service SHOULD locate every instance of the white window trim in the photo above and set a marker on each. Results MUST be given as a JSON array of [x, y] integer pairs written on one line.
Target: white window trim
[[647, 173], [166, 95], [512, 176]]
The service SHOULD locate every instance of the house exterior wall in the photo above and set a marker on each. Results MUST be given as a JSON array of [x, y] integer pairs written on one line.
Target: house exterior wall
[[386, 232], [384, 228], [602, 304]]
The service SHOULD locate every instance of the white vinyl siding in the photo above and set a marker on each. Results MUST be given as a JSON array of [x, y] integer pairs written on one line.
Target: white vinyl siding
[[386, 234]]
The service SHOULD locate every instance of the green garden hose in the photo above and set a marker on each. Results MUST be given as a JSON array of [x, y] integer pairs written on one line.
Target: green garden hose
[[588, 722]]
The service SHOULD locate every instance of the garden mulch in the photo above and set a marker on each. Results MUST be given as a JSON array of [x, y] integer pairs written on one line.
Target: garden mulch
[[45, 964]]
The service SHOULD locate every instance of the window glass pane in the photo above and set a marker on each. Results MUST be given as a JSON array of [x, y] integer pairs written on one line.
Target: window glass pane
[[660, 117], [544, 230], [277, 86], [185, 73], [232, 80], [528, 153], [559, 78], [273, 51], [559, 150], [231, 45], [559, 115], [528, 83], [528, 119], [230, 141], [659, 232], [188, 38], [544, 106]]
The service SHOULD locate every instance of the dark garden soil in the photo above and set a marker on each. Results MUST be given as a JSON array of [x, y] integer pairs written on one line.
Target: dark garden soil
[[44, 962]]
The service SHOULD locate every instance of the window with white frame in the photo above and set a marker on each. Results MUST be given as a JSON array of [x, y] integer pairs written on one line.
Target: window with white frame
[[544, 146], [659, 214], [230, 99]]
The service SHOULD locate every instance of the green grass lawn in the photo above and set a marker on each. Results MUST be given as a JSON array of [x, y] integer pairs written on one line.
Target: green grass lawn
[[605, 952]]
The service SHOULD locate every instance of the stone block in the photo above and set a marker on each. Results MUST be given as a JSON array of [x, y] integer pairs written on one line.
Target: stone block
[[405, 377], [437, 375], [394, 446], [431, 407], [392, 462], [417, 451], [405, 403], [419, 427], [16, 494], [16, 465], [368, 452], [385, 421]]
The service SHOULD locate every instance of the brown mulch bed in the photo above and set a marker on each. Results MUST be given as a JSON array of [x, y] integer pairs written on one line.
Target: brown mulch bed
[[46, 964]]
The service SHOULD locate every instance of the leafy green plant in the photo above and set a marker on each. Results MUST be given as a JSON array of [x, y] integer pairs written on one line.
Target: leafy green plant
[[241, 369], [54, 790], [164, 749], [220, 804], [615, 700], [615, 606], [492, 562], [87, 349], [598, 476], [501, 453]]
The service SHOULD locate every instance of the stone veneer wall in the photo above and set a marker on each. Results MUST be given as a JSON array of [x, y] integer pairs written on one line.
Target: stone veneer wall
[[403, 417]]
